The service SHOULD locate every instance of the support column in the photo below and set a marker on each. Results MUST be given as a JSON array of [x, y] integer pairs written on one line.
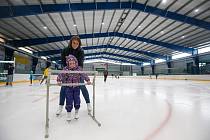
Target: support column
[[48, 64], [153, 69], [56, 66], [168, 61], [196, 65], [153, 66], [131, 70], [142, 70], [9, 56], [34, 64]]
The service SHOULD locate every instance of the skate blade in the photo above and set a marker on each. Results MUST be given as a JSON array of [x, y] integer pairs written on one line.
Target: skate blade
[[68, 121], [58, 115]]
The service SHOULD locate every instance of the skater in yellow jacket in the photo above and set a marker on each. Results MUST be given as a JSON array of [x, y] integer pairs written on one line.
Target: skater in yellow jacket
[[45, 75]]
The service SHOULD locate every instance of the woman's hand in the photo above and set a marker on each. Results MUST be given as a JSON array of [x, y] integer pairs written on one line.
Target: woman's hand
[[59, 83], [89, 83]]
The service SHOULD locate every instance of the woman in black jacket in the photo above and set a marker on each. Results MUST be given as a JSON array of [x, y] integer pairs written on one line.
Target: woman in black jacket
[[75, 49]]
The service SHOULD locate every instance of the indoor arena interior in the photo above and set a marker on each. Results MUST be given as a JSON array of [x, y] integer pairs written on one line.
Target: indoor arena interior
[[104, 69]]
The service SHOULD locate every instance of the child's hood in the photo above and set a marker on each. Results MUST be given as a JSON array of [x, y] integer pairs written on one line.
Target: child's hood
[[71, 58]]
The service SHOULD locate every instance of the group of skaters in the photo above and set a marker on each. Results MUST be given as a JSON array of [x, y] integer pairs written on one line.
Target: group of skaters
[[10, 75], [156, 76], [117, 76], [72, 58]]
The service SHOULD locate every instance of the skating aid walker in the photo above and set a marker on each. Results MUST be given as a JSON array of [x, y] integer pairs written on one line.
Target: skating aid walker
[[68, 84]]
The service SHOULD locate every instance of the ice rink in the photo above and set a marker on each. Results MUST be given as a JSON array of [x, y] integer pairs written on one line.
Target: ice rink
[[128, 109]]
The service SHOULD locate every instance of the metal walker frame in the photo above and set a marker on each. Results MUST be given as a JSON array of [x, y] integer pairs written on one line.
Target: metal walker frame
[[70, 84]]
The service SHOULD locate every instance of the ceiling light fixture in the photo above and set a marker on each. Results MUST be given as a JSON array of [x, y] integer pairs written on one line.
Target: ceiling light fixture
[[196, 10], [2, 40], [43, 57], [45, 27], [164, 1], [26, 50]]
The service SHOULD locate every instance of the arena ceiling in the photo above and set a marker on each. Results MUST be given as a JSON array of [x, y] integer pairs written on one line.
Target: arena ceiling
[[132, 31]]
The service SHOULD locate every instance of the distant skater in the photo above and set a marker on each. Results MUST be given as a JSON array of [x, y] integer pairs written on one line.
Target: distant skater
[[31, 78], [10, 75], [156, 76], [45, 75], [105, 75]]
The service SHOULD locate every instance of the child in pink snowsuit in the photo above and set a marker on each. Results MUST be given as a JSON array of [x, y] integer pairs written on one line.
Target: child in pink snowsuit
[[72, 93]]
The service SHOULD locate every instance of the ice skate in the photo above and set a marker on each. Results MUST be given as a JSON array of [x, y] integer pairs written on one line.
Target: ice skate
[[89, 109], [68, 118], [59, 110], [76, 114]]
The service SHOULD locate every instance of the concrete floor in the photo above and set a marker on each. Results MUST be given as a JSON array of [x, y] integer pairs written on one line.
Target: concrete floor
[[128, 109]]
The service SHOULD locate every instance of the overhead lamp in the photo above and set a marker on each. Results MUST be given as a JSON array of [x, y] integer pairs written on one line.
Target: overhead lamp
[[196, 10], [26, 50], [164, 1], [43, 57], [146, 64], [74, 25], [102, 23], [183, 36], [2, 40], [159, 60], [45, 27]]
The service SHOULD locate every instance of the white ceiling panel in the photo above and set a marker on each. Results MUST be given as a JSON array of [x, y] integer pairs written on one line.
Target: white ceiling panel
[[70, 23], [60, 23], [115, 19], [98, 21], [107, 20], [89, 21], [79, 22]]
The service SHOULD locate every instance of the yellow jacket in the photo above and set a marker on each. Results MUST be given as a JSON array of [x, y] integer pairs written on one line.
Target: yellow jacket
[[46, 72]]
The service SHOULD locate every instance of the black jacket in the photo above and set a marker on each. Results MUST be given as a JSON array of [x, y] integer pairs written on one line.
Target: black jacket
[[10, 70], [78, 53]]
